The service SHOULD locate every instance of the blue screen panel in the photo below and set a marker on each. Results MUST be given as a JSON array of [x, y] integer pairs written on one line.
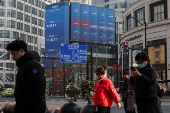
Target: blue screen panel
[[85, 23], [110, 27], [94, 20], [102, 26], [57, 31], [75, 22]]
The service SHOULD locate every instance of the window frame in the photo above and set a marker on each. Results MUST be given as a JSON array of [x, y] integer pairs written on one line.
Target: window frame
[[164, 2]]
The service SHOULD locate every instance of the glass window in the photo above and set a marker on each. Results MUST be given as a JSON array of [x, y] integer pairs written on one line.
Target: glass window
[[36, 3], [4, 34], [42, 34], [1, 65], [3, 2], [29, 9], [10, 65], [15, 35], [43, 5], [1, 22], [39, 22], [28, 28], [140, 16], [42, 23], [32, 30], [129, 22], [21, 16], [39, 4], [28, 18], [39, 32], [32, 39], [9, 23], [18, 15], [32, 2], [35, 40], [9, 13], [18, 5], [26, 8], [10, 77], [29, 39], [35, 30], [158, 12], [42, 14], [21, 5], [29, 1], [33, 21], [120, 26], [39, 13], [22, 26], [35, 12], [13, 14], [2, 12], [18, 25]]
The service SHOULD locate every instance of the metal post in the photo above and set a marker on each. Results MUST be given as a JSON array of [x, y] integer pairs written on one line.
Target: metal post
[[64, 78], [87, 70], [91, 57], [146, 48], [53, 72]]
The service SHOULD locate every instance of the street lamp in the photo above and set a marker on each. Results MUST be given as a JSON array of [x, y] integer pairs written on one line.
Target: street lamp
[[146, 49]]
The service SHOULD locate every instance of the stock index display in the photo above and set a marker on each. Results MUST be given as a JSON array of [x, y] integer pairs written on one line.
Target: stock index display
[[57, 31]]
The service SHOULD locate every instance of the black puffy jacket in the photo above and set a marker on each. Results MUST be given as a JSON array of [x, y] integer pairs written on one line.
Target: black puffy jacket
[[145, 87], [30, 85]]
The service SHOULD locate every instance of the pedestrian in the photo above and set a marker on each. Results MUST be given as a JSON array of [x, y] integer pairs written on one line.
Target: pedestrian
[[105, 93], [126, 84], [30, 83], [144, 80], [160, 92]]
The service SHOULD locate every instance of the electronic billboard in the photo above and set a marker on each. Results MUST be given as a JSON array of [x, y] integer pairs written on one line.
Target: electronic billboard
[[110, 26], [94, 23], [75, 22], [85, 23], [57, 31], [102, 26]]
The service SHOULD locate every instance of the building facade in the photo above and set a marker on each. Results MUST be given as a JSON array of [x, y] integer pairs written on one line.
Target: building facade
[[157, 17], [20, 19]]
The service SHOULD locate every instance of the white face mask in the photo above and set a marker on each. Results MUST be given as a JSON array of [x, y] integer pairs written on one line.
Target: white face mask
[[141, 65]]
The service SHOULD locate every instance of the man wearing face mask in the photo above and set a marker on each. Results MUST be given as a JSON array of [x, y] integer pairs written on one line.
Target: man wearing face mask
[[144, 80]]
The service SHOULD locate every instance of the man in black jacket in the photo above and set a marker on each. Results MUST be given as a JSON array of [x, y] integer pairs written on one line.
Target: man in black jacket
[[30, 80], [144, 80]]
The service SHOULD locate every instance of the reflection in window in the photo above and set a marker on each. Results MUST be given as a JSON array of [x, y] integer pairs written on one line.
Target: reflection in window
[[158, 12], [140, 16], [129, 22], [10, 77], [1, 22], [1, 66], [2, 12], [15, 35], [4, 34], [3, 2]]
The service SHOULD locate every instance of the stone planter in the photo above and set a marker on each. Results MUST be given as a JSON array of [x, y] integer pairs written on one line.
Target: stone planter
[[70, 108]]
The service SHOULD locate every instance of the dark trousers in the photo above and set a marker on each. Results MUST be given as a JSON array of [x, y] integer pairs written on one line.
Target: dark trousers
[[146, 105], [157, 108], [102, 109], [125, 107]]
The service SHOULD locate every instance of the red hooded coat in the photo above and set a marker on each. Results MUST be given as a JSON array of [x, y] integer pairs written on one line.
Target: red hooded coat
[[105, 93]]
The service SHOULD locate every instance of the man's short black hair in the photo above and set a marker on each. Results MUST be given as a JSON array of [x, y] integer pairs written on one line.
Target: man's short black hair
[[143, 56], [16, 45]]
